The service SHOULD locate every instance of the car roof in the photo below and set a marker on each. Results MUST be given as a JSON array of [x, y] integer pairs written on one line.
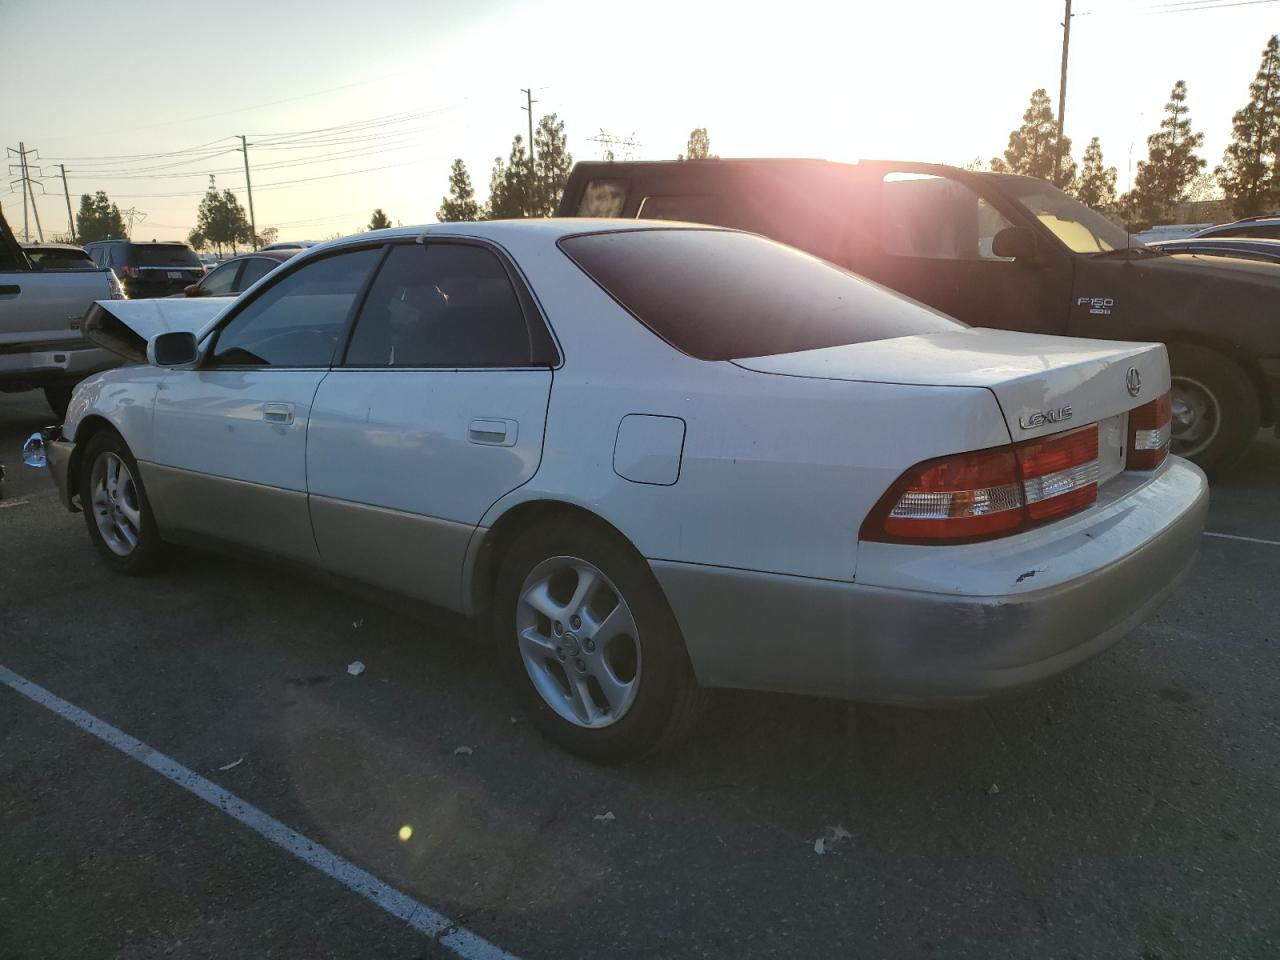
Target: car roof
[[280, 255], [53, 246]]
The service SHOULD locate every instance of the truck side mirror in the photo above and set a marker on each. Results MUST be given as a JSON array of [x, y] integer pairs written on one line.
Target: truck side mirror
[[174, 349], [1018, 243]]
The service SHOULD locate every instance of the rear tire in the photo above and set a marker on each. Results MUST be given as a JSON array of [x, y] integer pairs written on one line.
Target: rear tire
[[1215, 407], [600, 670], [121, 523], [58, 398]]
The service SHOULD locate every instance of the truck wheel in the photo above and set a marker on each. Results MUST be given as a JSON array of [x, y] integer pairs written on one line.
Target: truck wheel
[[58, 398], [588, 644], [115, 506], [1215, 407]]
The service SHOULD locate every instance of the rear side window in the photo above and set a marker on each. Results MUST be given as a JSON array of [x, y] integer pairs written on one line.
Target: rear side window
[[165, 255], [603, 198], [717, 295], [444, 305], [254, 270]]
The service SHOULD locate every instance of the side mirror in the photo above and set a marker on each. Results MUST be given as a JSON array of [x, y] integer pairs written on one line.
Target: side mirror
[[1016, 242], [192, 290], [172, 349]]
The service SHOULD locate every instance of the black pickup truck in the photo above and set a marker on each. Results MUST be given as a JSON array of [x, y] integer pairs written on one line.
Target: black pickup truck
[[993, 250]]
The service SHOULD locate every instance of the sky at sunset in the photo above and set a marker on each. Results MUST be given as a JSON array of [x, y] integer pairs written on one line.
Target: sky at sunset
[[93, 84]]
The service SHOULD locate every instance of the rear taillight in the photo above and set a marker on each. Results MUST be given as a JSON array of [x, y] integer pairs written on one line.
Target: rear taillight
[[989, 493], [130, 272], [1149, 427]]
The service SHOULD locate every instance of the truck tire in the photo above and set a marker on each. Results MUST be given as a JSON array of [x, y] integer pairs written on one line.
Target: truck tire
[[58, 398], [1216, 413], [588, 644]]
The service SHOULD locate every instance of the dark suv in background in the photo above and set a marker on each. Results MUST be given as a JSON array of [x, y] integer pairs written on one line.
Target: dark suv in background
[[155, 269], [993, 250]]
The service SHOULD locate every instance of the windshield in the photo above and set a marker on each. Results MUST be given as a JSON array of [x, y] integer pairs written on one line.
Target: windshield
[[1082, 229]]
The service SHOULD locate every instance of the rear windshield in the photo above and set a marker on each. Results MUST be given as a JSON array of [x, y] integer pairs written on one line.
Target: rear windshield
[[56, 258], [718, 295], [165, 255]]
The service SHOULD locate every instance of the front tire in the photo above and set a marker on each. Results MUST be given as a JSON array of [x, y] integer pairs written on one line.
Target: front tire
[[588, 643], [1215, 407], [115, 506]]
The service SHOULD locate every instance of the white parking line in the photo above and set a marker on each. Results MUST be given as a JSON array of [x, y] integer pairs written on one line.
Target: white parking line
[[458, 940], [12, 503], [1232, 536]]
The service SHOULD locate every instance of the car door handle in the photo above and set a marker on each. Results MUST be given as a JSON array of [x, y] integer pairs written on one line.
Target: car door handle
[[9, 290], [493, 433], [277, 412]]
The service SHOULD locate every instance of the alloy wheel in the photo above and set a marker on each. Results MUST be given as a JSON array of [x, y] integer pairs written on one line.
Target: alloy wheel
[[579, 642], [1197, 417], [117, 510]]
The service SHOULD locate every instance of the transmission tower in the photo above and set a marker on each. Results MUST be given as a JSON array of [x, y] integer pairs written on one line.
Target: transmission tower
[[28, 182], [610, 144]]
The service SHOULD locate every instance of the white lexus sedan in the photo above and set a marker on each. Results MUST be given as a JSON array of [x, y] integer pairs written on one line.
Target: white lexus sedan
[[649, 459]]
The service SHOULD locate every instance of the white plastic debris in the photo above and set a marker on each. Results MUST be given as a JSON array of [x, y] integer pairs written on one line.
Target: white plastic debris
[[993, 790], [820, 846], [827, 843], [232, 765], [605, 817], [357, 624], [462, 751], [355, 668]]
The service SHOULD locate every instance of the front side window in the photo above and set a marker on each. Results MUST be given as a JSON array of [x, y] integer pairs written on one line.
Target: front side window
[[719, 295], [220, 282], [443, 305], [935, 218], [298, 321]]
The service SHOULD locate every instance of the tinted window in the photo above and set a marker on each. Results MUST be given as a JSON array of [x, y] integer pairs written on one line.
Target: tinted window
[[56, 258], [1080, 228], [936, 219], [718, 295], [603, 198], [165, 255], [442, 305], [220, 281], [254, 270], [298, 321], [1266, 231]]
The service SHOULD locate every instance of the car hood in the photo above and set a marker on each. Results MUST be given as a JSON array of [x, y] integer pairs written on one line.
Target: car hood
[[1041, 382], [126, 326]]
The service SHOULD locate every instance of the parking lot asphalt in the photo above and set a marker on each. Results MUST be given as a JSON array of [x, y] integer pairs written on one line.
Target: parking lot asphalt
[[1127, 809]]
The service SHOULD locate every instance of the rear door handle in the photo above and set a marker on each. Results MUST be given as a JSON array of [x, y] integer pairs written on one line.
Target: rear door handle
[[277, 412], [494, 433], [9, 290]]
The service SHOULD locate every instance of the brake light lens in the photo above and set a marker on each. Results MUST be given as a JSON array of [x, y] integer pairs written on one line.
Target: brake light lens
[[1149, 428], [989, 493]]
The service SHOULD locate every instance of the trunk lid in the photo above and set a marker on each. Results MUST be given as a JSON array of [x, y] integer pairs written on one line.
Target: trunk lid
[[1044, 384]]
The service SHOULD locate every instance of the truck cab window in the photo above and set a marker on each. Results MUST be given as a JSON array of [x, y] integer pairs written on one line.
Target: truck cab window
[[934, 218]]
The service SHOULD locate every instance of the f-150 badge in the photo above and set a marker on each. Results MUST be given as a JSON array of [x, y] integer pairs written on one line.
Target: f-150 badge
[[1098, 305]]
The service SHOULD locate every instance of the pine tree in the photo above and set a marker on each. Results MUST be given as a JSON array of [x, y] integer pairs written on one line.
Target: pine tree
[[461, 202], [1096, 186], [1162, 179], [552, 163], [1250, 171], [98, 219], [379, 220], [699, 146], [1033, 147], [509, 184]]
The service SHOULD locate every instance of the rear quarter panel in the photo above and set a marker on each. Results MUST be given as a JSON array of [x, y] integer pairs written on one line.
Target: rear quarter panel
[[777, 472]]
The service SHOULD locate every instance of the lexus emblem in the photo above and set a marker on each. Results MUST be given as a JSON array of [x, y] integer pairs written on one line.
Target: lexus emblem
[[1133, 381]]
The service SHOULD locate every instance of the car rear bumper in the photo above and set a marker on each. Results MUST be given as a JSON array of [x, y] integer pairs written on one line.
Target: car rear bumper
[[853, 640]]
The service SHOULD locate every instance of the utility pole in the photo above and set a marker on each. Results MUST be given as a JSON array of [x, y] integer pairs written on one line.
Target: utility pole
[[248, 186], [133, 213], [528, 108], [26, 176], [67, 193], [608, 141], [1062, 87], [27, 189]]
